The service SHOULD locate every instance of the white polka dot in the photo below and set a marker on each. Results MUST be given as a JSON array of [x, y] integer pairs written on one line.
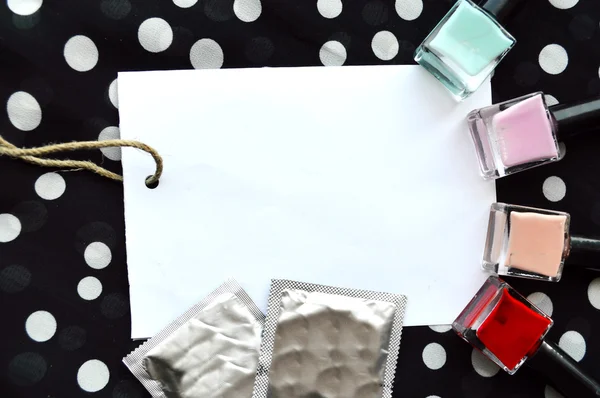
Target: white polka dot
[[434, 356], [155, 35], [573, 344], [563, 4], [553, 59], [247, 10], [440, 328], [409, 10], [81, 53], [50, 186], [23, 110], [332, 53], [111, 133], [550, 392], [97, 255], [93, 375], [40, 326], [89, 288], [594, 293], [206, 54], [542, 301], [554, 189], [10, 227], [329, 8], [433, 396], [185, 3], [24, 7], [550, 99], [113, 94], [385, 45], [483, 365]]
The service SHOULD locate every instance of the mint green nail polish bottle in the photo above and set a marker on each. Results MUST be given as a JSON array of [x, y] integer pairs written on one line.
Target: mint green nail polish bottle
[[467, 44]]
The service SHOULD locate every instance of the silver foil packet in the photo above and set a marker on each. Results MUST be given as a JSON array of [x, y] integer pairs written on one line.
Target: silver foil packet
[[328, 342], [211, 350]]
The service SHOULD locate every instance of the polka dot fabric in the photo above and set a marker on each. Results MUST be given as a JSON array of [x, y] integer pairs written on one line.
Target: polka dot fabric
[[63, 279]]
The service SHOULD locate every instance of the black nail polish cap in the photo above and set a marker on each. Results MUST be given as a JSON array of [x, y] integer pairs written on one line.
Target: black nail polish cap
[[573, 119], [502, 10], [562, 372], [583, 253]]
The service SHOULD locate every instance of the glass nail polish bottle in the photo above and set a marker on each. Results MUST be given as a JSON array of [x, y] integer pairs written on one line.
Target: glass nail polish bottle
[[510, 330], [467, 44], [535, 243], [524, 132]]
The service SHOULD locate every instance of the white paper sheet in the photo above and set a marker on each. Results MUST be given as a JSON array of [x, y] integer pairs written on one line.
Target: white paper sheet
[[361, 177]]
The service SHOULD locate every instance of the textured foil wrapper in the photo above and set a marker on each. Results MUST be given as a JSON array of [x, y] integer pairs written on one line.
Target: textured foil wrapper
[[328, 342], [210, 351]]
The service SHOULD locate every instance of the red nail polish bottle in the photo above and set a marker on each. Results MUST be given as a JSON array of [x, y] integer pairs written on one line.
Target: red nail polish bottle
[[510, 330]]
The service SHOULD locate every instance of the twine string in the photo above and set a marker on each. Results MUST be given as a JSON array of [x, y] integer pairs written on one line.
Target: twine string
[[37, 155]]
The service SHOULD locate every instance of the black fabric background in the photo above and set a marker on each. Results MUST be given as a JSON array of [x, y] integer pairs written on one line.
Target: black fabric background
[[75, 106]]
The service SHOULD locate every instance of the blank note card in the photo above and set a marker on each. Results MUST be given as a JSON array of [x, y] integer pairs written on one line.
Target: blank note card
[[360, 177]]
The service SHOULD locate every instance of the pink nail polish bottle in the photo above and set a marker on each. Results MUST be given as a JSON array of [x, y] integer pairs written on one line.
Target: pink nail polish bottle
[[533, 243], [523, 133]]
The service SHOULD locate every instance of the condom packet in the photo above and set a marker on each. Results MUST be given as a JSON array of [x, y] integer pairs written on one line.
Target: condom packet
[[210, 351], [323, 341]]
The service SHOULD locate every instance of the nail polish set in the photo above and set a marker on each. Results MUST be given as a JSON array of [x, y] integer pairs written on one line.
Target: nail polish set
[[507, 328], [461, 52]]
